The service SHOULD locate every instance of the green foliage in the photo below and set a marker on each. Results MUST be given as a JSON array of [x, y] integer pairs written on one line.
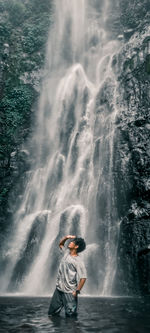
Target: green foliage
[[147, 64], [24, 26], [134, 12], [3, 194], [39, 6], [16, 12], [15, 117], [5, 30], [15, 9], [33, 40]]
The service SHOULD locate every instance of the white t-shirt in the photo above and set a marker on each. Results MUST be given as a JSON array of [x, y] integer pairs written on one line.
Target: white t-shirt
[[71, 270]]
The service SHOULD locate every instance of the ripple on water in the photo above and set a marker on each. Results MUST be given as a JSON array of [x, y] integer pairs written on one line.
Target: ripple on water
[[106, 315]]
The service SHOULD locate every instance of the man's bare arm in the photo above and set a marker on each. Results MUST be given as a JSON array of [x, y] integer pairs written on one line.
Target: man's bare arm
[[80, 286], [63, 240]]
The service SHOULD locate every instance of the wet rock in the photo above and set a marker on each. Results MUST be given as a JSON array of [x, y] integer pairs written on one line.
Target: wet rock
[[132, 276], [104, 98], [132, 165], [128, 33], [134, 15], [30, 249]]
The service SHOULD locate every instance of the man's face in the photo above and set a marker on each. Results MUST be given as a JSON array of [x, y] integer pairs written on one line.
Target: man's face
[[72, 245]]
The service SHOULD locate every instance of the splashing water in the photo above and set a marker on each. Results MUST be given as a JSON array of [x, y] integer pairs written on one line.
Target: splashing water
[[71, 188]]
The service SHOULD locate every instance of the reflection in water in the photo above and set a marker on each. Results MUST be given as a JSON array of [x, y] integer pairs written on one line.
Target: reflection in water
[[71, 324], [106, 315]]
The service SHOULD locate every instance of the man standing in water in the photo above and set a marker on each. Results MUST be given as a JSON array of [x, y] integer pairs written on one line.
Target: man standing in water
[[70, 279]]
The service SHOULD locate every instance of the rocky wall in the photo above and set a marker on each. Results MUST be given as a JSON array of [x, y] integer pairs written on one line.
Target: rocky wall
[[132, 164]]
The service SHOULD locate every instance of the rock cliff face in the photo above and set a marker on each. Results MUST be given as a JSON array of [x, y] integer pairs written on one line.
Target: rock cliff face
[[134, 14], [131, 164]]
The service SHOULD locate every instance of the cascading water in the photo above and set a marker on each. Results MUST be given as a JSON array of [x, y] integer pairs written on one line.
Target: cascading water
[[71, 188]]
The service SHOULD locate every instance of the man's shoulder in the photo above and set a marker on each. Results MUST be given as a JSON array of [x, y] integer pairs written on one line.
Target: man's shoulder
[[80, 259]]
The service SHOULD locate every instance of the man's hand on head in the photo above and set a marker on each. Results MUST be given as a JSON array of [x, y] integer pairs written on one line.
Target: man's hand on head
[[71, 237], [63, 240]]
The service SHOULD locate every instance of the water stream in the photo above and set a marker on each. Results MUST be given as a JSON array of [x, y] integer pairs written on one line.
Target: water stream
[[71, 187]]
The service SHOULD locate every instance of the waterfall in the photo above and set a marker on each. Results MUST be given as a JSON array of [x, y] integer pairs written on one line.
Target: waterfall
[[70, 189]]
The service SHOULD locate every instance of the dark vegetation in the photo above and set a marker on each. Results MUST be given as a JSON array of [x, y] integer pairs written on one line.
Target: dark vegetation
[[135, 13], [24, 26]]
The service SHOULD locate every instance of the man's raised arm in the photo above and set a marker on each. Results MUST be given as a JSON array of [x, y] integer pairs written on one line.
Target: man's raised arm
[[63, 240]]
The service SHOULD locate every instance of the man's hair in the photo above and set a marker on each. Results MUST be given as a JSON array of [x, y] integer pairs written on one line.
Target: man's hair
[[81, 244]]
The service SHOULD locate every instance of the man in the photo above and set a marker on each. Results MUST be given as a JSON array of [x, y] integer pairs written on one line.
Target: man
[[70, 279]]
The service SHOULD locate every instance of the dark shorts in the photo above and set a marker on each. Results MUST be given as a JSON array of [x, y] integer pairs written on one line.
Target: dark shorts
[[60, 300]]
